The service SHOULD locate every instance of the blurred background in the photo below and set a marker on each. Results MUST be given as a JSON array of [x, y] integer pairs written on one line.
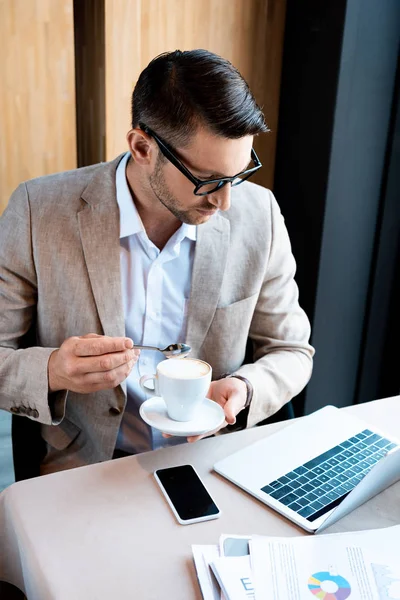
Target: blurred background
[[327, 77]]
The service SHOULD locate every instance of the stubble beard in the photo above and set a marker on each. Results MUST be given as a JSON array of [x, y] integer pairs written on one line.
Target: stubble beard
[[167, 199]]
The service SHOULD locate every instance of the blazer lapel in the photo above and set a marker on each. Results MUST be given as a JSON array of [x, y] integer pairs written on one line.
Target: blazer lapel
[[210, 257], [99, 231]]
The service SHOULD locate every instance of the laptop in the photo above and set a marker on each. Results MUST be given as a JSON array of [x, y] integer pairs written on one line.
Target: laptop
[[317, 470]]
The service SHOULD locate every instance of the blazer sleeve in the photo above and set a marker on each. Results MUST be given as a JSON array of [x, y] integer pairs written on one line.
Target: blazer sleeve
[[279, 330], [23, 371]]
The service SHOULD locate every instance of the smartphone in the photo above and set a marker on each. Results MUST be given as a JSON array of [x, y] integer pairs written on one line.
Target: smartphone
[[186, 494]]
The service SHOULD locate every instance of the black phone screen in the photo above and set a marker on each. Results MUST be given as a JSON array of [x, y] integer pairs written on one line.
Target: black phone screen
[[187, 492]]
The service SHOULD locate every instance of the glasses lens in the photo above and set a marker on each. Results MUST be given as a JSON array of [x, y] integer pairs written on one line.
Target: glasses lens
[[240, 178], [208, 188]]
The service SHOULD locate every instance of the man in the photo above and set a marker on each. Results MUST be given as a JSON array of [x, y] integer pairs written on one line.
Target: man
[[158, 246]]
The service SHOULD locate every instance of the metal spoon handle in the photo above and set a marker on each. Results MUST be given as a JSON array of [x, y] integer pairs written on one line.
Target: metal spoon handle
[[147, 347]]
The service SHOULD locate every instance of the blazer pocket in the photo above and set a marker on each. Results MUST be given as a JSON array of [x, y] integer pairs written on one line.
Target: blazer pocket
[[239, 304], [62, 435]]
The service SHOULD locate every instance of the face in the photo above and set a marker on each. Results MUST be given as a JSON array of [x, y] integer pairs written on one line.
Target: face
[[207, 156]]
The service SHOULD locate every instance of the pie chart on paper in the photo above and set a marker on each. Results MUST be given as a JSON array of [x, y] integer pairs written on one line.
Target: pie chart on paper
[[325, 586]]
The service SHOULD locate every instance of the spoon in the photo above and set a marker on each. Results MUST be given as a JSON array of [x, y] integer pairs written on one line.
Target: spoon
[[172, 351]]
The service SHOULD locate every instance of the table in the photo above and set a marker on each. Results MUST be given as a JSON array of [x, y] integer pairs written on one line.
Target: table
[[105, 531]]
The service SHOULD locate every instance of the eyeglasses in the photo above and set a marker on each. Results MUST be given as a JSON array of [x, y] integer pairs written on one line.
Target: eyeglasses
[[202, 188]]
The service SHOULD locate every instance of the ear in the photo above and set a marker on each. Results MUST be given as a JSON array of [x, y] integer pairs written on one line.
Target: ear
[[141, 146]]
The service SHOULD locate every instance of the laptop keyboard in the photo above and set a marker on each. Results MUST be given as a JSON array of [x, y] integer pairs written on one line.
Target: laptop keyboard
[[322, 483]]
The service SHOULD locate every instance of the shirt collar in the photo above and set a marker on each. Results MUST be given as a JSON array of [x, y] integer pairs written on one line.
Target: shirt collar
[[129, 218]]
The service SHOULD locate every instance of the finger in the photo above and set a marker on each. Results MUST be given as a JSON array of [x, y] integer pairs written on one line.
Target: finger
[[104, 380], [196, 438], [105, 362], [233, 406], [97, 345]]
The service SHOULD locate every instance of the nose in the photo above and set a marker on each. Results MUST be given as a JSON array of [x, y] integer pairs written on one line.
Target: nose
[[222, 197]]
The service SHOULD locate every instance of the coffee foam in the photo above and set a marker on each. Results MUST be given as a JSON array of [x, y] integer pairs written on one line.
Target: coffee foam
[[183, 368]]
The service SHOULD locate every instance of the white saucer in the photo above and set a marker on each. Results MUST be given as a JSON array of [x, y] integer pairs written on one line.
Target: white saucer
[[209, 417]]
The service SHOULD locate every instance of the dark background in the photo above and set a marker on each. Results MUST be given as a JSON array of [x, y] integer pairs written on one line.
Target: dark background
[[337, 181]]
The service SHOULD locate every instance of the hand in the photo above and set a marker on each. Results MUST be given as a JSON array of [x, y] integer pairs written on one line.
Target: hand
[[90, 363], [231, 394]]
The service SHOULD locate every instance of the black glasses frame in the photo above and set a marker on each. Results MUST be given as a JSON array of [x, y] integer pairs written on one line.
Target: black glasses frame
[[169, 154]]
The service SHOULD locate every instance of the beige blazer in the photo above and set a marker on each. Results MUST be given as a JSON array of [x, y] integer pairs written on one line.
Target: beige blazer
[[60, 277]]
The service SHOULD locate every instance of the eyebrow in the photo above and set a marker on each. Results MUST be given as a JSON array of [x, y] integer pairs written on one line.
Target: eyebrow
[[220, 175]]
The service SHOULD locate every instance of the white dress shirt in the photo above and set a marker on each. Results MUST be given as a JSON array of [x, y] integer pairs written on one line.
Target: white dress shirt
[[155, 293]]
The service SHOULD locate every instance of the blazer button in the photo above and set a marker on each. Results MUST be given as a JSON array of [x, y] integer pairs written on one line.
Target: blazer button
[[114, 410], [14, 409], [23, 410], [35, 413]]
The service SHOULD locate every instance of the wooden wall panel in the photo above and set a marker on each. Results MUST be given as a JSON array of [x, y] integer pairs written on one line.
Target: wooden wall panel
[[247, 32], [37, 91]]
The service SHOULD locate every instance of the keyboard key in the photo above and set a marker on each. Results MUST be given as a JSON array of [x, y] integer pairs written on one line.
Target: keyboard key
[[373, 438], [361, 435], [391, 446], [311, 497], [363, 464], [323, 478], [345, 444], [356, 469], [357, 478], [338, 469], [368, 451], [305, 512], [288, 499], [336, 483], [315, 462], [275, 484], [317, 505], [283, 480], [331, 474], [291, 476], [342, 478], [353, 461], [268, 489], [281, 492], [300, 492], [333, 462], [353, 440], [318, 470], [346, 464], [307, 487], [295, 506], [361, 445], [295, 484], [326, 487], [371, 460], [324, 500], [367, 432], [310, 475], [347, 486], [332, 495], [302, 502], [347, 453], [382, 443], [302, 480], [300, 470]]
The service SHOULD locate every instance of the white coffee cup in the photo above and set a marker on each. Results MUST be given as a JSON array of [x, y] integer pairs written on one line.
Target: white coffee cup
[[183, 384]]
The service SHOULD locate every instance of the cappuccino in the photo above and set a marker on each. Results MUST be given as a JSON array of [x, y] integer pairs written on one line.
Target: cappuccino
[[183, 384], [184, 368]]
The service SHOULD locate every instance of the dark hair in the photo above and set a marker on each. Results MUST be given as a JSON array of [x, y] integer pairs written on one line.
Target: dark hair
[[178, 91]]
